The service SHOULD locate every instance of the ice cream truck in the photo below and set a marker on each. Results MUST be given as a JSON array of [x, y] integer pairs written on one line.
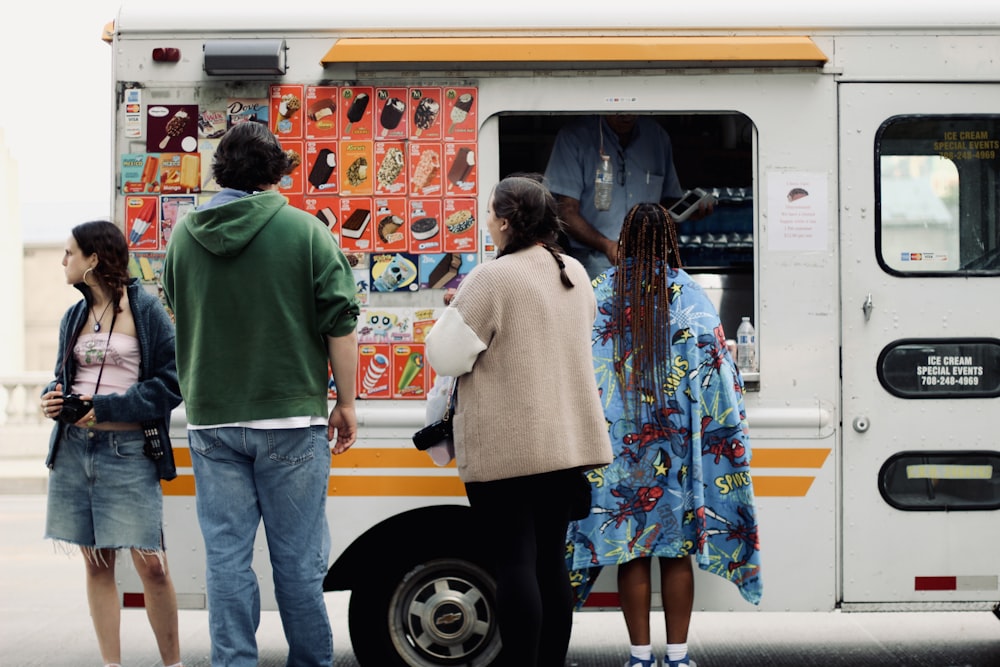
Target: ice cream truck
[[852, 148]]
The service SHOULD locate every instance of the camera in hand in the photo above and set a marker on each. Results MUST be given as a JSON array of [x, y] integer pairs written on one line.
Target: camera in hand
[[74, 408]]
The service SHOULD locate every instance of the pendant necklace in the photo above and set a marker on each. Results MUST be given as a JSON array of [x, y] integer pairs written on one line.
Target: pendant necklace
[[97, 320]]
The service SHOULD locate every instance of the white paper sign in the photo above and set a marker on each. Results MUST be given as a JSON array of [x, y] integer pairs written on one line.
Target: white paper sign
[[797, 211]]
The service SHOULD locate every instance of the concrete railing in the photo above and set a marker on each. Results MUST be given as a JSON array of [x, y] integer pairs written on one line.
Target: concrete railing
[[19, 398], [24, 431]]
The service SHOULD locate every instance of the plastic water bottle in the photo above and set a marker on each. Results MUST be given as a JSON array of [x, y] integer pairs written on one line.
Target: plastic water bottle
[[604, 181], [746, 346]]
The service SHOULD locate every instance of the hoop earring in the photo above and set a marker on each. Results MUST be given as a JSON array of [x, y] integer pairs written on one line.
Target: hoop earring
[[89, 270]]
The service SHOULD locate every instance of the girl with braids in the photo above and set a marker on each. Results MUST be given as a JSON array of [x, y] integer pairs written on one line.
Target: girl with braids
[[679, 484], [528, 418], [116, 351]]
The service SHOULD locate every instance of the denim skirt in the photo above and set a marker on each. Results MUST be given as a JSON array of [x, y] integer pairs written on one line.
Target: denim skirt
[[104, 493]]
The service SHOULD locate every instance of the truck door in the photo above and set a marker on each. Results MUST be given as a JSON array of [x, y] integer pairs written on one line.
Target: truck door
[[920, 252]]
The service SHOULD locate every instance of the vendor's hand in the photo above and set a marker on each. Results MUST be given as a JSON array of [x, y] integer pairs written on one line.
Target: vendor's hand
[[705, 209], [611, 251], [52, 402]]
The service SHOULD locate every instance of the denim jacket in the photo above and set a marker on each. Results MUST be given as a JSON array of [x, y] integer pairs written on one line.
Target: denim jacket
[[156, 393]]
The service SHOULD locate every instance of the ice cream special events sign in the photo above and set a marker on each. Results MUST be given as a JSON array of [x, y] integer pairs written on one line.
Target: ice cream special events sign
[[390, 169], [968, 368]]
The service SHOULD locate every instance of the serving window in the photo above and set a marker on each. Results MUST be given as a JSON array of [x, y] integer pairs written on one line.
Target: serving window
[[938, 202]]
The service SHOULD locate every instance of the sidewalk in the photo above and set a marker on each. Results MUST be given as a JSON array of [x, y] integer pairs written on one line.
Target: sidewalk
[[23, 476], [22, 458]]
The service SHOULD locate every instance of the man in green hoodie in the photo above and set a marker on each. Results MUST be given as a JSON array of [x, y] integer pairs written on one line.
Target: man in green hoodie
[[263, 299]]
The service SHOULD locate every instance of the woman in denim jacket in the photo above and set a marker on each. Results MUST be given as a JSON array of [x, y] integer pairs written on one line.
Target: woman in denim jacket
[[116, 360]]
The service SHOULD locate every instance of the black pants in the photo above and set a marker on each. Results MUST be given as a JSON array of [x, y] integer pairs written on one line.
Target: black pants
[[523, 522]]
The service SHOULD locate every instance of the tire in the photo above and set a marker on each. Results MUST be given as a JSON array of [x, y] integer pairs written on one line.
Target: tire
[[439, 613]]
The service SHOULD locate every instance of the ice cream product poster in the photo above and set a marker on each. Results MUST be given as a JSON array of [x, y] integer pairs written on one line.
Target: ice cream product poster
[[425, 113], [172, 209], [460, 169], [286, 111], [445, 270], [394, 272], [212, 123], [172, 128], [424, 223], [206, 148], [391, 117], [357, 112], [391, 232], [180, 173], [424, 163], [242, 110], [292, 182], [361, 268], [327, 209], [356, 170], [390, 168], [321, 167], [142, 217], [461, 122], [374, 374], [321, 118], [459, 225], [408, 371], [356, 224], [140, 173], [147, 267], [385, 325]]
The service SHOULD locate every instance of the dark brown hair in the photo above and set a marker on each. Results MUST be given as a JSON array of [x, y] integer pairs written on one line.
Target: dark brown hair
[[533, 216], [647, 249], [249, 156], [108, 242]]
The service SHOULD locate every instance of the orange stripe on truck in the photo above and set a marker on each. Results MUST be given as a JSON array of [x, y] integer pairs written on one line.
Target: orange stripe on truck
[[449, 485]]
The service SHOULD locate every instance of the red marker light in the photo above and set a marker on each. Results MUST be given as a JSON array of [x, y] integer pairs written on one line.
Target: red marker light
[[166, 55]]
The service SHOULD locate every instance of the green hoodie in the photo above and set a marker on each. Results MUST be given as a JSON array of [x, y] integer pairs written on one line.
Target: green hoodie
[[255, 286]]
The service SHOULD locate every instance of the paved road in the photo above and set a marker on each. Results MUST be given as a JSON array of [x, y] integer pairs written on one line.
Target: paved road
[[44, 622]]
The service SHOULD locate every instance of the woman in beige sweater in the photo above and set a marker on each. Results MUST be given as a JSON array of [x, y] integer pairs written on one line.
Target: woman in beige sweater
[[528, 419]]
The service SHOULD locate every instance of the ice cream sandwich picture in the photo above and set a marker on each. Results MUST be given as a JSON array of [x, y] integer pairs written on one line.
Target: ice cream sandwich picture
[[424, 228], [327, 217], [388, 229], [445, 271], [355, 225], [797, 193]]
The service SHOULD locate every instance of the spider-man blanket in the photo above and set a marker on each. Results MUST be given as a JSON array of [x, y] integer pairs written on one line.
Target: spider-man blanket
[[679, 484]]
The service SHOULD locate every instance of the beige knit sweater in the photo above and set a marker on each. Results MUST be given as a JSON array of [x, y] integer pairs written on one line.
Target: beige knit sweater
[[521, 344]]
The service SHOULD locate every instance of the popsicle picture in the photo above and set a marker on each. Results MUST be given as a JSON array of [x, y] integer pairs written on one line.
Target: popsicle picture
[[460, 111], [143, 219], [392, 114], [356, 111], [425, 114], [414, 363], [175, 127]]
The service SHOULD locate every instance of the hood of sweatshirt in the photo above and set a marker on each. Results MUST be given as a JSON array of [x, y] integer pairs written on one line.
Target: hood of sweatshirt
[[231, 219]]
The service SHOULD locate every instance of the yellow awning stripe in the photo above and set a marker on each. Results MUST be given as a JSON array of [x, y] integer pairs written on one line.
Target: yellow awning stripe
[[776, 50]]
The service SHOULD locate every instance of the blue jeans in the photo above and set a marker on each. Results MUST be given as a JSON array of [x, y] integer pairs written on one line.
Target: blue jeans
[[243, 475]]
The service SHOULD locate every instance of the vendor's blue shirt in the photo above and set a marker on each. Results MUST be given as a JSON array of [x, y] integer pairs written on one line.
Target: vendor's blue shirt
[[650, 176]]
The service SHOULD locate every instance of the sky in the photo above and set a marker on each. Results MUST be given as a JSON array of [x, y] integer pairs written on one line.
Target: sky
[[57, 113]]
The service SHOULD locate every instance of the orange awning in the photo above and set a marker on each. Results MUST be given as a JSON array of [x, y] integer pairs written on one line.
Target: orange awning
[[787, 51]]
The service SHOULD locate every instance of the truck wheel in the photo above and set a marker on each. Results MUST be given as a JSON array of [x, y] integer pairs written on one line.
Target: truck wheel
[[441, 612]]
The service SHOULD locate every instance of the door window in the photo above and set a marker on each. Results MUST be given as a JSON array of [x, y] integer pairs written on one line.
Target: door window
[[937, 184]]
